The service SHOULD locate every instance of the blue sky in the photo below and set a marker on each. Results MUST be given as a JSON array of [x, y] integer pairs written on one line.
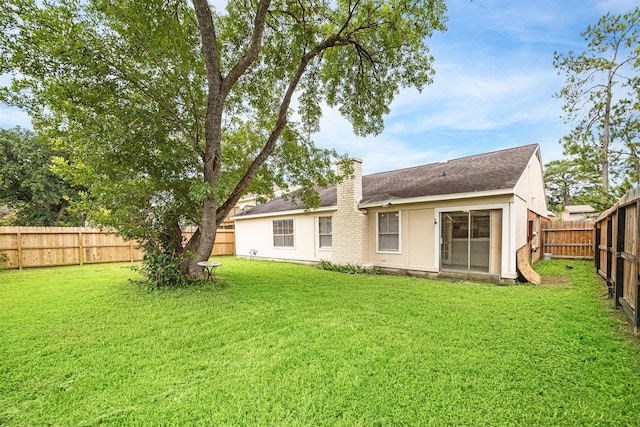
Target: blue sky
[[493, 87]]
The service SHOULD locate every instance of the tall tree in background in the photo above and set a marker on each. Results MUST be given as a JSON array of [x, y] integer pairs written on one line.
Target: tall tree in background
[[568, 182], [172, 112], [601, 89], [28, 185]]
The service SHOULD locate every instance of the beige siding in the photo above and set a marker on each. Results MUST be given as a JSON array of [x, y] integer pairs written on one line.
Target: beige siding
[[386, 259], [530, 196], [495, 266], [530, 187], [257, 234], [419, 238], [521, 223], [420, 235]]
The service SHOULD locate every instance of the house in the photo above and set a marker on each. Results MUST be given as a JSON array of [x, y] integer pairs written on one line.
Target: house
[[579, 213], [465, 217], [246, 202]]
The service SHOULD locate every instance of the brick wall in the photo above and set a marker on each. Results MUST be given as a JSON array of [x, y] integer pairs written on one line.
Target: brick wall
[[349, 225]]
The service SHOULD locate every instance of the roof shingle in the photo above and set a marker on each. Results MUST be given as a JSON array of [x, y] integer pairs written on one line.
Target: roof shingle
[[497, 170]]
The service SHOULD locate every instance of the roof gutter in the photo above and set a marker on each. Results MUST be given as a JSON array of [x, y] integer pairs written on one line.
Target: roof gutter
[[438, 198], [284, 213]]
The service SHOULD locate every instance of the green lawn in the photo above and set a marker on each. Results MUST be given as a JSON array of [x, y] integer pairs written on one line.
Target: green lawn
[[282, 344]]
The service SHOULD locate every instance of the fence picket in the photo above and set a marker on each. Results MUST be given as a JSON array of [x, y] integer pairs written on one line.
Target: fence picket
[[617, 260], [569, 239], [52, 246]]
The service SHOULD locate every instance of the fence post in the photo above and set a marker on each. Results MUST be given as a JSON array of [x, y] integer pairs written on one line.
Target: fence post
[[619, 289], [596, 245], [636, 234], [19, 241], [610, 255], [80, 248]]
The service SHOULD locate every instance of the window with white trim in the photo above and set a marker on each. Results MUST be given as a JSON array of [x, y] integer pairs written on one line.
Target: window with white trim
[[389, 231], [283, 233], [325, 238]]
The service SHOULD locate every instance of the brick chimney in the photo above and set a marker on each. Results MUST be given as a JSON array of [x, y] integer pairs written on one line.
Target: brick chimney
[[349, 224]]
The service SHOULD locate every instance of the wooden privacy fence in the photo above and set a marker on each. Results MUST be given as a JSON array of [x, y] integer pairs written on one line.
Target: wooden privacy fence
[[617, 233], [53, 246], [225, 241], [568, 239]]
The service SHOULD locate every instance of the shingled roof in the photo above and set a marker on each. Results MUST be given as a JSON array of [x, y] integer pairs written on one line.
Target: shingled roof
[[498, 170]]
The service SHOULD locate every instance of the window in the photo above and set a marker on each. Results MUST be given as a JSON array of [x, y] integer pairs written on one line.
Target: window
[[283, 233], [324, 232], [389, 231]]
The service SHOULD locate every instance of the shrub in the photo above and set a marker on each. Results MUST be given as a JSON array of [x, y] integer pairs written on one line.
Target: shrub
[[347, 268], [3, 258], [161, 270]]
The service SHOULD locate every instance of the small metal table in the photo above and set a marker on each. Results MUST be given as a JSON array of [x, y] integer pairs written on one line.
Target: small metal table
[[210, 266]]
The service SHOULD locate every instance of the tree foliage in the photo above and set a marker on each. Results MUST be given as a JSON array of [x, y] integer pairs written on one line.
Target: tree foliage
[[569, 182], [28, 185], [172, 111], [602, 100]]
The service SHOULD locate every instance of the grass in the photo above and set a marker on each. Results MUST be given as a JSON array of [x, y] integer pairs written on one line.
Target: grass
[[282, 344]]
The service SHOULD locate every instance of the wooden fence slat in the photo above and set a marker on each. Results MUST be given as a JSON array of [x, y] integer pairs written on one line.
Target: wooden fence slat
[[570, 245], [19, 241], [80, 248], [52, 246], [621, 226], [569, 239], [590, 229]]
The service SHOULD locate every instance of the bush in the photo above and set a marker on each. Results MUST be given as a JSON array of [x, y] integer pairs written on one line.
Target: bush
[[161, 270], [3, 258], [347, 268]]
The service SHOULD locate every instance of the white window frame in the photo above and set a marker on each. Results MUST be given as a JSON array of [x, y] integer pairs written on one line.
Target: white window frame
[[320, 234], [378, 250], [293, 233]]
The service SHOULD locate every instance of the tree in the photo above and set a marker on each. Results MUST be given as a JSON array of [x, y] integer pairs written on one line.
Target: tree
[[601, 85], [172, 112], [569, 182], [625, 128], [28, 185]]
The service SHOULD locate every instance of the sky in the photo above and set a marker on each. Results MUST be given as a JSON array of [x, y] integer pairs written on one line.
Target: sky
[[493, 87]]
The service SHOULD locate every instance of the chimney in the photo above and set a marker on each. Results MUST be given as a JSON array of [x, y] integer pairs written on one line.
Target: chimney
[[349, 224], [350, 190]]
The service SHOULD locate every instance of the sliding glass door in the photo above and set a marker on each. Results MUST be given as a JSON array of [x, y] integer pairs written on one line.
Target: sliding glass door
[[465, 240]]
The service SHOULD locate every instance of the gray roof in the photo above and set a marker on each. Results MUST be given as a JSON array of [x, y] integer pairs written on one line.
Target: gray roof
[[498, 170]]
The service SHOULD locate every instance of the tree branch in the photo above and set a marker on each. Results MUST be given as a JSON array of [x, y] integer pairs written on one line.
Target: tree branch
[[252, 52], [153, 96], [281, 122], [209, 44]]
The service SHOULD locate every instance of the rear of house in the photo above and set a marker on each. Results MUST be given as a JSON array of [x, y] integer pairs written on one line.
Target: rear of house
[[463, 217]]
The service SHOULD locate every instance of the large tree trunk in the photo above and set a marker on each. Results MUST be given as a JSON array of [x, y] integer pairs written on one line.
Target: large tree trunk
[[219, 87], [189, 266]]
